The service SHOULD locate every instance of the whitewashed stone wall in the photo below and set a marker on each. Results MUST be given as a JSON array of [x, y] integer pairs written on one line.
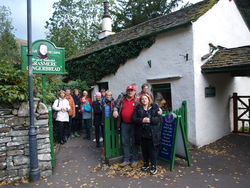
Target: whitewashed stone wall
[[14, 141], [222, 25]]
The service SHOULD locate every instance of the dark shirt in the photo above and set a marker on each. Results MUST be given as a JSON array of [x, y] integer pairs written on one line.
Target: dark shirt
[[146, 130], [77, 108]]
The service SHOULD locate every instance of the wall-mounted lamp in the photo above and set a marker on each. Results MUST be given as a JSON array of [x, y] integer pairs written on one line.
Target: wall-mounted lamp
[[149, 63], [185, 56]]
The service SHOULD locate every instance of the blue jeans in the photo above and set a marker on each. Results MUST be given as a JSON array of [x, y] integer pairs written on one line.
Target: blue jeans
[[128, 142]]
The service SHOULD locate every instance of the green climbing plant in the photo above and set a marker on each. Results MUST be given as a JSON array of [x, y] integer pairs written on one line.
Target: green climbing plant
[[95, 66]]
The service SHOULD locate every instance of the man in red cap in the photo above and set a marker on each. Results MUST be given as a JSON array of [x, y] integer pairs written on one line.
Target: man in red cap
[[123, 109]]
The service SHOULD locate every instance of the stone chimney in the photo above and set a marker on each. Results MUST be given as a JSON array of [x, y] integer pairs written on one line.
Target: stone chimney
[[106, 23]]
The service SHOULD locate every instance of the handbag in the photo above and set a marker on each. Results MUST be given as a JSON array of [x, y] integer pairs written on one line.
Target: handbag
[[55, 112]]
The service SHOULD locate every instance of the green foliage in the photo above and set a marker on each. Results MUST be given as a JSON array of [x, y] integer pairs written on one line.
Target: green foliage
[[132, 12], [244, 6], [14, 83], [8, 46], [54, 84], [75, 24], [246, 14], [95, 66]]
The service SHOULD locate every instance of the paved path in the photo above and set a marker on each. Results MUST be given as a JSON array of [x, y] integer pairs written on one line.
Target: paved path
[[223, 164]]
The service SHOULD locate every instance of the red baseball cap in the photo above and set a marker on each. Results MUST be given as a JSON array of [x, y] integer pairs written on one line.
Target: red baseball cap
[[131, 87]]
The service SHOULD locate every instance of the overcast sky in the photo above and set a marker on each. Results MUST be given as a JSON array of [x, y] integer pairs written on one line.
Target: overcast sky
[[41, 12]]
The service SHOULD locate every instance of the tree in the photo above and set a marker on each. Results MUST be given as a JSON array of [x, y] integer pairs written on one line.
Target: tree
[[244, 6], [132, 12], [75, 24], [8, 47]]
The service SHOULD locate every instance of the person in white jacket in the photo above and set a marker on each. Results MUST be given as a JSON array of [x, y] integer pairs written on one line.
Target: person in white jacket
[[61, 106]]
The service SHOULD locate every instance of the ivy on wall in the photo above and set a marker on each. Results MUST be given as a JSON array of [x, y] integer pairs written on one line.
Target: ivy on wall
[[95, 66]]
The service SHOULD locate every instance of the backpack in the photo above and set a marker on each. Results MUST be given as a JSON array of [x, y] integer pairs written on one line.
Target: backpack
[[55, 112]]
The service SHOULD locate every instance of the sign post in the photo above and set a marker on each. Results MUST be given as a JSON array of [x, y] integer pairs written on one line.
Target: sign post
[[34, 173], [42, 57], [46, 59], [173, 140], [44, 88]]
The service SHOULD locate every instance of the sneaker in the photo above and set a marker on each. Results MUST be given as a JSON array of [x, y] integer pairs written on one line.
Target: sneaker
[[134, 164], [145, 167], [62, 142], [101, 139], [94, 140], [153, 170], [72, 136], [125, 163], [76, 134]]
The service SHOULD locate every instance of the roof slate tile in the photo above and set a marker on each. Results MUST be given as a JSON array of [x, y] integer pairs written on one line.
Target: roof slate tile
[[228, 57], [151, 27]]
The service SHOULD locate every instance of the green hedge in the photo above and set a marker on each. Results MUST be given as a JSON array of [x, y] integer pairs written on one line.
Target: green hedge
[[14, 84]]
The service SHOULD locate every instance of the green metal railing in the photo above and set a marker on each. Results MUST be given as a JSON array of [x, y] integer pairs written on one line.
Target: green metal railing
[[112, 141], [51, 137]]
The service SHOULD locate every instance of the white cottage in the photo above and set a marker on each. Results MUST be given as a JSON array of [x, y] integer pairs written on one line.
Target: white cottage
[[179, 63]]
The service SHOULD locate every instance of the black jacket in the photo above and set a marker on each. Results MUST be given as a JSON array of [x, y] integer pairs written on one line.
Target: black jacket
[[77, 102], [97, 107], [151, 130]]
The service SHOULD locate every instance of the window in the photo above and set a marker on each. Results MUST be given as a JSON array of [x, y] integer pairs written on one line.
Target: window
[[103, 85], [162, 95]]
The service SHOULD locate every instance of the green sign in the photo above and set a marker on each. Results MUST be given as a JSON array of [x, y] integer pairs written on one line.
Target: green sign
[[46, 59]]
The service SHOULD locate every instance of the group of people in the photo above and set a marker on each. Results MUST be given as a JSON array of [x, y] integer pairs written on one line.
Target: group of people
[[69, 113], [138, 117], [72, 110]]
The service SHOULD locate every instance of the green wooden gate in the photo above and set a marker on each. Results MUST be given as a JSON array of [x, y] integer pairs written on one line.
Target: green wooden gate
[[112, 141]]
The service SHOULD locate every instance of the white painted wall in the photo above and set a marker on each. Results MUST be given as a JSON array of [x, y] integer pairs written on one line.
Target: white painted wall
[[167, 60], [222, 25]]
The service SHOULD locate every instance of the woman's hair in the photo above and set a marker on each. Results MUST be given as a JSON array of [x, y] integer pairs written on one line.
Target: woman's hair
[[149, 99], [85, 100], [144, 85], [59, 93], [76, 90], [108, 93]]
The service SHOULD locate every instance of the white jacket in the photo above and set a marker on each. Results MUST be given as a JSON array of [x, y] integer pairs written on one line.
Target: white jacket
[[61, 115]]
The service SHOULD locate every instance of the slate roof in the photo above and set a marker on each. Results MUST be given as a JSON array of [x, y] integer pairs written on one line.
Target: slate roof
[[152, 27], [228, 58]]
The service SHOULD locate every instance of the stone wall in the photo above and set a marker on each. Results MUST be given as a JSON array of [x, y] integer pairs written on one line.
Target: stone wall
[[14, 141]]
